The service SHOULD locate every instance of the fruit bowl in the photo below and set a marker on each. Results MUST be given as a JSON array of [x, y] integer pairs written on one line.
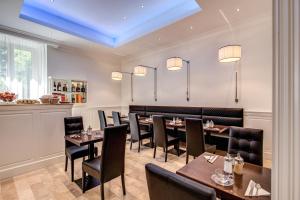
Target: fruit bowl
[[7, 96]]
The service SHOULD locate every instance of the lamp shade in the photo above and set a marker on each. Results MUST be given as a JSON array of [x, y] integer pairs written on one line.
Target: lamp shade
[[174, 63], [140, 71], [116, 76], [230, 53]]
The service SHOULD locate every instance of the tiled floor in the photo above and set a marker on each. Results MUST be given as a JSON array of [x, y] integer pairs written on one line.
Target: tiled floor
[[53, 183]]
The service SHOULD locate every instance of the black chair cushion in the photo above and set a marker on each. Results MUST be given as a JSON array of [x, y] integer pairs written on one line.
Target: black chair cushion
[[172, 140], [165, 185], [75, 152], [145, 134], [248, 142], [92, 166]]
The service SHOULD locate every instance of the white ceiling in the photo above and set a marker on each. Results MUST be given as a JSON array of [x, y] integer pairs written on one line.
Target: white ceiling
[[208, 19]]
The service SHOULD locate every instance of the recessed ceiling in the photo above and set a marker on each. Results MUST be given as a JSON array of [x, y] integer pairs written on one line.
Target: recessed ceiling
[[112, 23]]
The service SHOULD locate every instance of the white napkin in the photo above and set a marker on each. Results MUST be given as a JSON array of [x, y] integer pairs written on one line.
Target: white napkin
[[211, 159], [261, 191]]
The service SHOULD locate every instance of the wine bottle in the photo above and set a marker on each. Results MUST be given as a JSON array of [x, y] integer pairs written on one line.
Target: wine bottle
[[65, 88], [73, 88], [58, 86], [82, 88], [54, 86], [78, 87]]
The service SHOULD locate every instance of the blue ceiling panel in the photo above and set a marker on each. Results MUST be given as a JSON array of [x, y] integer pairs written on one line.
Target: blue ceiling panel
[[111, 23]]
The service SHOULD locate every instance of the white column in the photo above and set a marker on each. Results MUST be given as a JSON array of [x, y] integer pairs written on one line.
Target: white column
[[286, 88]]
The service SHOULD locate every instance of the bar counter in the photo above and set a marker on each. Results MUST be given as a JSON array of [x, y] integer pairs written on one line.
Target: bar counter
[[31, 136]]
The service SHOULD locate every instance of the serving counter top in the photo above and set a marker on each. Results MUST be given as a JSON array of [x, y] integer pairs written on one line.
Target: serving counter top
[[12, 107]]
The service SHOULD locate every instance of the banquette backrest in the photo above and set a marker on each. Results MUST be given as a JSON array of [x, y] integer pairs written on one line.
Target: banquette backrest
[[224, 116], [220, 116]]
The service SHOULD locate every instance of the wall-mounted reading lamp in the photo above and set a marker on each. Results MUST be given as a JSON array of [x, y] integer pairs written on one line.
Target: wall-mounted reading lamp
[[231, 53], [176, 63], [141, 70], [118, 77]]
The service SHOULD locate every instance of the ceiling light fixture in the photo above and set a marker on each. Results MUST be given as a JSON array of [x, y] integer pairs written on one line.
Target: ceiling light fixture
[[191, 27], [230, 53], [142, 6], [176, 63], [238, 10], [52, 1]]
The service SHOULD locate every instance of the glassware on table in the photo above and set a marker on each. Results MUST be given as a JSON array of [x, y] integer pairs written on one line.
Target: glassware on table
[[211, 124], [207, 124], [228, 164], [89, 130], [238, 164], [222, 178]]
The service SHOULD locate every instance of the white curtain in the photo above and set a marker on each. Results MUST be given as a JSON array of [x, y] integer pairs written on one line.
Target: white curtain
[[23, 67]]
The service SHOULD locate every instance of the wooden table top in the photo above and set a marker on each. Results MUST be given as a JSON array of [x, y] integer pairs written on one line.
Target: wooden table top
[[146, 121], [200, 171], [121, 116], [217, 129], [81, 140]]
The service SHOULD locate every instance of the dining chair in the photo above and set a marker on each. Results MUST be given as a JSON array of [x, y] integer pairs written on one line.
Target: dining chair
[[116, 118], [74, 125], [248, 142], [195, 141], [102, 118], [136, 133], [111, 163], [161, 137], [165, 185]]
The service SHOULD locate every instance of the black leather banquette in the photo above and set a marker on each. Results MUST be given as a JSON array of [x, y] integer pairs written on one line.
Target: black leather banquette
[[220, 116]]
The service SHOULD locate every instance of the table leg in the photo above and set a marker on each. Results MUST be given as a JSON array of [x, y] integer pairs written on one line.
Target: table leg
[[91, 150]]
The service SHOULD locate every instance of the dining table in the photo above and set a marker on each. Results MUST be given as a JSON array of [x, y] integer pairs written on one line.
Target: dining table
[[200, 170], [81, 139]]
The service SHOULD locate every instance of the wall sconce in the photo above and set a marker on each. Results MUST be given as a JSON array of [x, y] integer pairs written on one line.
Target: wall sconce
[[141, 70], [118, 77], [176, 63], [231, 53]]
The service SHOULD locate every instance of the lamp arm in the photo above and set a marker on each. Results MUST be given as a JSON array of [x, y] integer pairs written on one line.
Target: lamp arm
[[188, 79], [131, 86], [155, 84]]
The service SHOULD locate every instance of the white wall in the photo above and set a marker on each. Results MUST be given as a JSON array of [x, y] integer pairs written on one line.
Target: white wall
[[212, 83], [103, 92]]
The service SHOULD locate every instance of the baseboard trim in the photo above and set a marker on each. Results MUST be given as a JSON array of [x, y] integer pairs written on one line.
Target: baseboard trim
[[30, 166]]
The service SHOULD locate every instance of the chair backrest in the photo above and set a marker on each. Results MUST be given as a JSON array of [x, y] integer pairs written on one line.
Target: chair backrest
[[134, 126], [194, 137], [165, 185], [248, 142], [159, 129], [113, 152], [73, 125], [102, 118], [116, 118]]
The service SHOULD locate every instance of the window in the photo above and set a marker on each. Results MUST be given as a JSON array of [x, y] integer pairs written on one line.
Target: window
[[23, 67]]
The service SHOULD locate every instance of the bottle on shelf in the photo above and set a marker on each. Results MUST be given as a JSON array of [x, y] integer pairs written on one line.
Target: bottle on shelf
[[82, 88], [58, 86], [73, 88], [73, 98], [65, 88], [54, 86], [78, 87]]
